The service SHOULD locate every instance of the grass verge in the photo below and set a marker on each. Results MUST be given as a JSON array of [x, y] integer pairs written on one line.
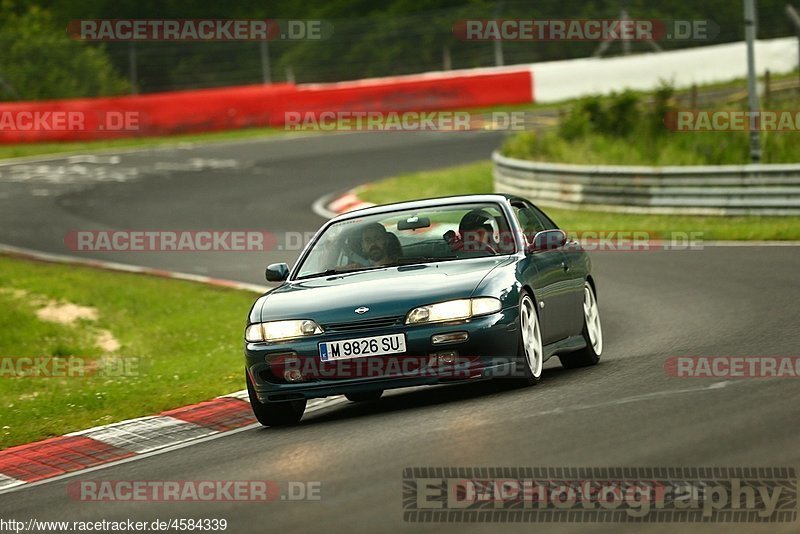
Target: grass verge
[[179, 343], [477, 178]]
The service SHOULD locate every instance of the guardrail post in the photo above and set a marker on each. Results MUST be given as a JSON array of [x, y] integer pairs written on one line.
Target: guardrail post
[[132, 70], [498, 43], [750, 34], [266, 68], [795, 18]]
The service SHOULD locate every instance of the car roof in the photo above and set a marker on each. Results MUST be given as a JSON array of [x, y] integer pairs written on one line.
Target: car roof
[[427, 203]]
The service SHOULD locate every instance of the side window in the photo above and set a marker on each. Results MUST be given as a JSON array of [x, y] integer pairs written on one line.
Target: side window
[[528, 220], [544, 220]]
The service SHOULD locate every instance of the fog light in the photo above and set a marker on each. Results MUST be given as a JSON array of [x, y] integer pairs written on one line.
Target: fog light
[[293, 375], [452, 337], [285, 364], [281, 357], [446, 358]]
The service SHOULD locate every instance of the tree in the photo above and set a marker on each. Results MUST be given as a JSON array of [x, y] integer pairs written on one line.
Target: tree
[[40, 61]]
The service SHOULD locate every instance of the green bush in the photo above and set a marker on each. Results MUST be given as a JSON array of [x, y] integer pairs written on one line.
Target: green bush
[[624, 129]]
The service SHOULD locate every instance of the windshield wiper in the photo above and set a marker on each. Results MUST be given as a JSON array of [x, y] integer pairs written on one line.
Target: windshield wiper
[[340, 270], [402, 261], [420, 259]]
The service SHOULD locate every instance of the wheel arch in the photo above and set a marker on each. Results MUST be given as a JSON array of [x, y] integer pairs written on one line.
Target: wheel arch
[[529, 290], [594, 287]]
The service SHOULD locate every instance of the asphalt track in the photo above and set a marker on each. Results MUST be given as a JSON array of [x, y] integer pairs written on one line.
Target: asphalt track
[[732, 301]]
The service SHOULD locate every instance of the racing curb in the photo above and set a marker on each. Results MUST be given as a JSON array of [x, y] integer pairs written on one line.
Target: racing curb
[[344, 203], [62, 456]]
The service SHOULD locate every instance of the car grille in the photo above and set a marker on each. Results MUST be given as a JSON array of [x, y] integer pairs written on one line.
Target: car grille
[[366, 324]]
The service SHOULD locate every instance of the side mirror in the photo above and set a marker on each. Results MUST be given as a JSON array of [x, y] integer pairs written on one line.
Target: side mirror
[[277, 272], [548, 240]]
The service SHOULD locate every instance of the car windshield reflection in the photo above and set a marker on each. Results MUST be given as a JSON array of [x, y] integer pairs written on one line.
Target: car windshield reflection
[[443, 233]]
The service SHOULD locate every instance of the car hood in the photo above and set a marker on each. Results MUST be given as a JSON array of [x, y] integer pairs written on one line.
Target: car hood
[[392, 291]]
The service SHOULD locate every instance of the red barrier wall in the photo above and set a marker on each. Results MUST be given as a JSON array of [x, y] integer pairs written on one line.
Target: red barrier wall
[[254, 105]]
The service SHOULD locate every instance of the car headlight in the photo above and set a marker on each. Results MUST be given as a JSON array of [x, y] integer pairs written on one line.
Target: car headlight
[[279, 330], [453, 310]]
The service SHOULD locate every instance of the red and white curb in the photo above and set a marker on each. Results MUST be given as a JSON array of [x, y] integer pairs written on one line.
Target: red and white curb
[[107, 445], [348, 202], [329, 206], [112, 444]]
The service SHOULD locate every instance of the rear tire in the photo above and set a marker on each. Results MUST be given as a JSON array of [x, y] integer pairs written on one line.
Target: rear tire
[[275, 413], [364, 396], [592, 333]]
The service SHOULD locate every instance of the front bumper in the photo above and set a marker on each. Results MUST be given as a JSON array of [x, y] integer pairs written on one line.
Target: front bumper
[[490, 350]]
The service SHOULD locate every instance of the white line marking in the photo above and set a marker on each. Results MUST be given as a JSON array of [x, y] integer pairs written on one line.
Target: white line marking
[[124, 267], [327, 402], [244, 396], [9, 482], [241, 395], [751, 244], [320, 206], [632, 399]]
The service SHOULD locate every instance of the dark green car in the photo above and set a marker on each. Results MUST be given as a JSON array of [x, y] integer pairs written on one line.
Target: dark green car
[[423, 292]]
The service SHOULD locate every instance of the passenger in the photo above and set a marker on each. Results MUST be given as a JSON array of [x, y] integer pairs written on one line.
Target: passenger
[[475, 233]]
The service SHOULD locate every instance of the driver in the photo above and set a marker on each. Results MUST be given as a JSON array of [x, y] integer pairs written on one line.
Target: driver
[[375, 244], [374, 247]]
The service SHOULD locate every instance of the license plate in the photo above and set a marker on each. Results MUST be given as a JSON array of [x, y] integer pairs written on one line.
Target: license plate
[[362, 347]]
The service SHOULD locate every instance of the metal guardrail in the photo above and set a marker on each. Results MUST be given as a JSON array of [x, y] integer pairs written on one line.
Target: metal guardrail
[[698, 190]]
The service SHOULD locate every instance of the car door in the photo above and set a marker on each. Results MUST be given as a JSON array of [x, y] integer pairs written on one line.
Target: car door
[[574, 270], [544, 271]]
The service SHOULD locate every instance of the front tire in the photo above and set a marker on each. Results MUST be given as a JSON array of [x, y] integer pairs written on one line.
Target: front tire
[[275, 413], [530, 355], [592, 334]]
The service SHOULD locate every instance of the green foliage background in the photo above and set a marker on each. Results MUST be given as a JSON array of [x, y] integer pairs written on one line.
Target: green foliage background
[[370, 38]]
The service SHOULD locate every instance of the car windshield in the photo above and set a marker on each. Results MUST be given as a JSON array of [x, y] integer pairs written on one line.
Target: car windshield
[[439, 233]]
